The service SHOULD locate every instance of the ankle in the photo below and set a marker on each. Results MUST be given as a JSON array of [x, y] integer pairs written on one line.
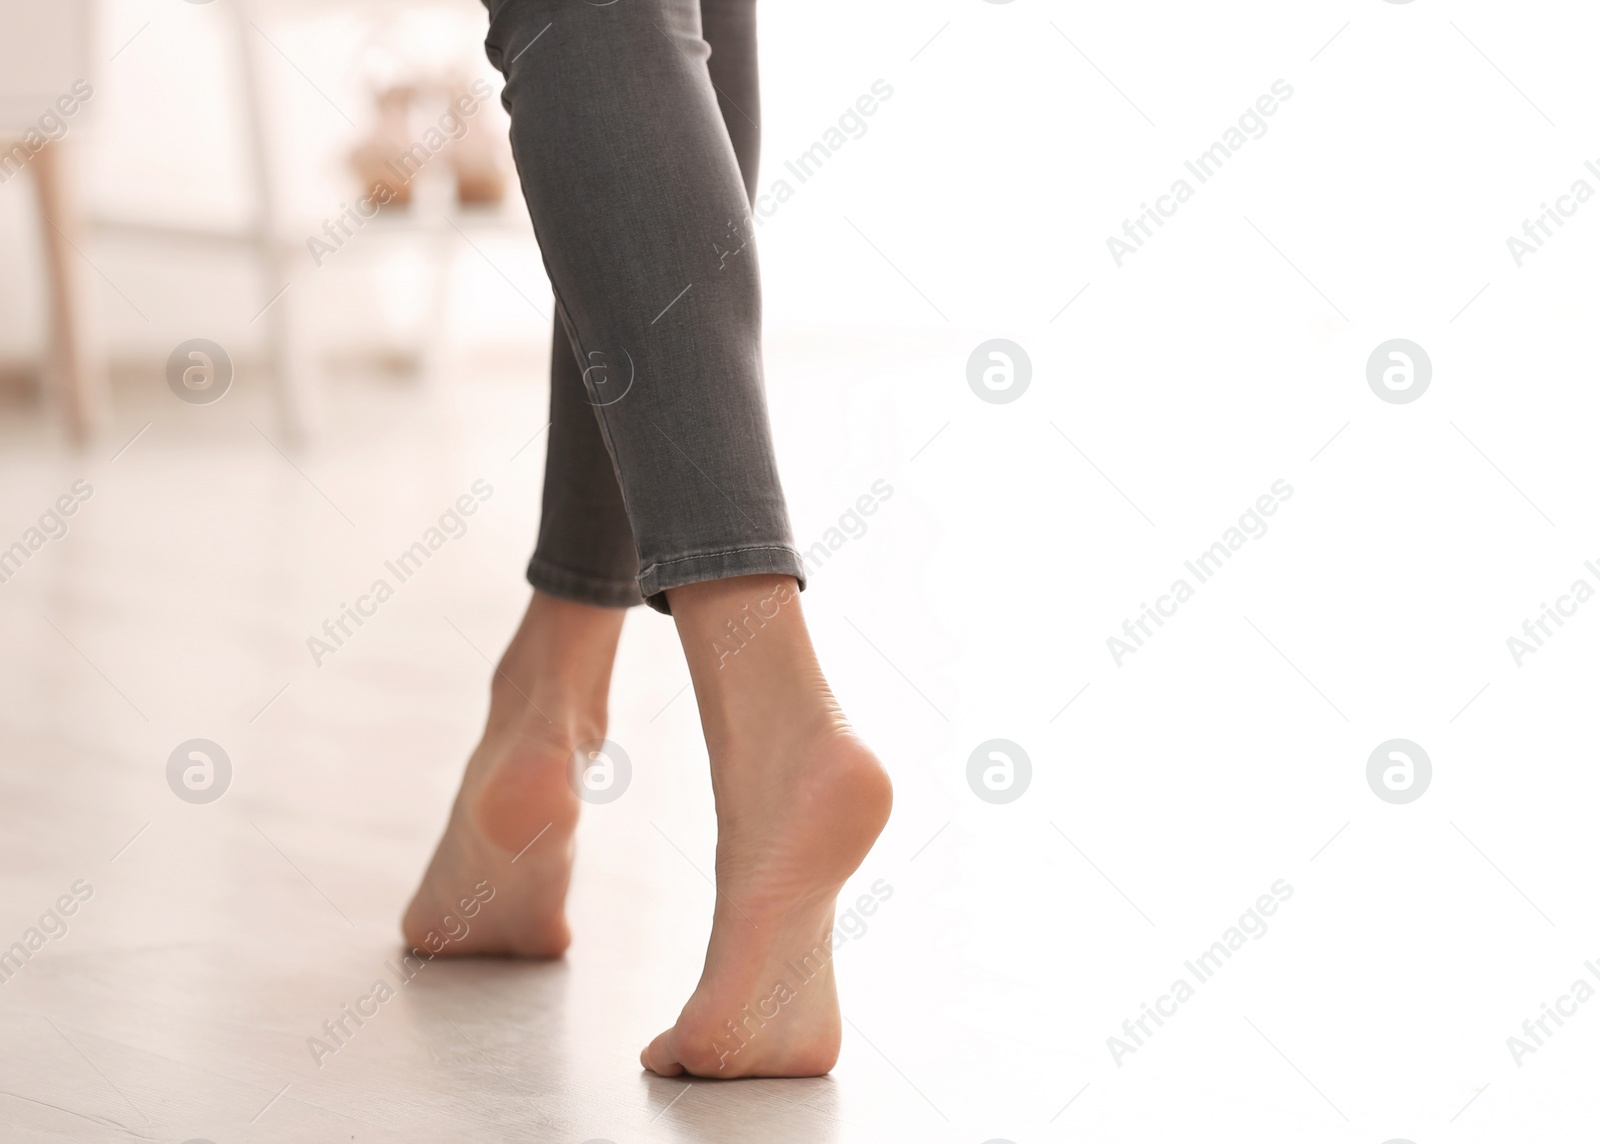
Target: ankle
[[755, 671], [557, 668]]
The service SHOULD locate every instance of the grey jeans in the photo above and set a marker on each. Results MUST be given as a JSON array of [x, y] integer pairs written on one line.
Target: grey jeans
[[633, 124]]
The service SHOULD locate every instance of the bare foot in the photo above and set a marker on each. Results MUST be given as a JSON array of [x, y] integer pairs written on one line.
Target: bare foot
[[800, 801], [497, 884]]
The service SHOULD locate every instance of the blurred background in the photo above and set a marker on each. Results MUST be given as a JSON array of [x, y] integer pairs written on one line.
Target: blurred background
[[198, 189], [198, 183], [172, 179]]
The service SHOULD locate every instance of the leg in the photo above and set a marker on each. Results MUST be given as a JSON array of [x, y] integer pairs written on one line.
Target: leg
[[627, 202], [640, 209], [783, 764], [557, 666], [800, 801], [645, 236], [584, 568], [548, 696], [585, 550]]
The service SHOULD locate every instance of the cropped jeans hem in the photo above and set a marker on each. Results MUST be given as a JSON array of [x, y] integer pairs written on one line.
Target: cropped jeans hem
[[755, 560], [581, 588]]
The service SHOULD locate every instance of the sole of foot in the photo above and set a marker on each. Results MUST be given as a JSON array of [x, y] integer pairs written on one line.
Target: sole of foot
[[766, 1004]]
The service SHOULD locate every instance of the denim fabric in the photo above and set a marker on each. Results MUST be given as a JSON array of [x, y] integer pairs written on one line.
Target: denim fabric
[[633, 124]]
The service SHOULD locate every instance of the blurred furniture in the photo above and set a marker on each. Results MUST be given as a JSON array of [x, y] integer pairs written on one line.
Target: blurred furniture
[[290, 364], [47, 46], [45, 52]]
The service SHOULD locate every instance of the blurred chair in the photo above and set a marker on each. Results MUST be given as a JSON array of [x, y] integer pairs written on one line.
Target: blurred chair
[[290, 362], [47, 46], [46, 52]]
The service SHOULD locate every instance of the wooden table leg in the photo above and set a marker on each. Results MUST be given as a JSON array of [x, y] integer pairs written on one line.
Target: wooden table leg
[[76, 369]]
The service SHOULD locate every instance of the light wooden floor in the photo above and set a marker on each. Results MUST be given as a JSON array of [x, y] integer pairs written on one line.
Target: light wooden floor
[[219, 937], [1166, 798]]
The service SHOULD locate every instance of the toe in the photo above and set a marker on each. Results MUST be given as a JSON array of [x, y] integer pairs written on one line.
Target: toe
[[659, 1058]]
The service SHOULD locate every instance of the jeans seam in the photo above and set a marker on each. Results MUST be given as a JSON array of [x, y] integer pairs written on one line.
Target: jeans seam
[[720, 552]]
